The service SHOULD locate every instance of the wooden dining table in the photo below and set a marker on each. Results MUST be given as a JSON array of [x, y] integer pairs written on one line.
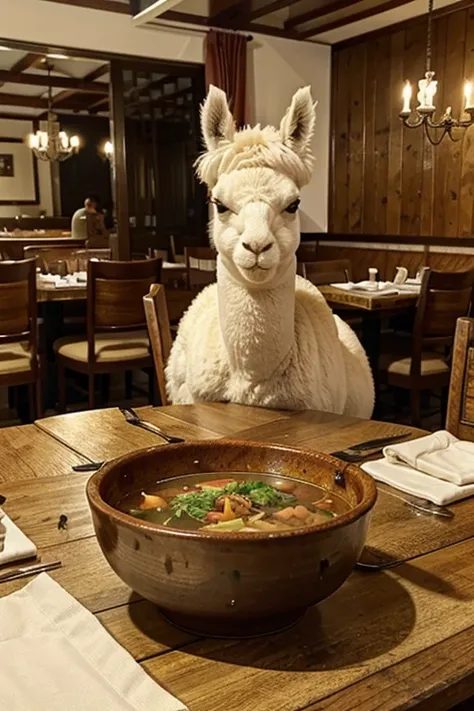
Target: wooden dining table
[[395, 638]]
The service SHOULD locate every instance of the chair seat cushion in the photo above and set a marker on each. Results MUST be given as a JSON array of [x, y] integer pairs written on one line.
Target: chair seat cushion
[[109, 348], [431, 363], [14, 358]]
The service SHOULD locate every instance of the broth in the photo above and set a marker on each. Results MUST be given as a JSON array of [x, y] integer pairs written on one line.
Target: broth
[[234, 502]]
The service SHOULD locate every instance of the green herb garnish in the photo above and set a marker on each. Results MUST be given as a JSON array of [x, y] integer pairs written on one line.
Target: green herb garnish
[[196, 504]]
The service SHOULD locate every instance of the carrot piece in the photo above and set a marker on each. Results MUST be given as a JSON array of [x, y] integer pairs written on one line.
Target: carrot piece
[[228, 514]]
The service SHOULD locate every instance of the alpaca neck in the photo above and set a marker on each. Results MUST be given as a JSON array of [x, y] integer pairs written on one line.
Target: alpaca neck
[[257, 324]]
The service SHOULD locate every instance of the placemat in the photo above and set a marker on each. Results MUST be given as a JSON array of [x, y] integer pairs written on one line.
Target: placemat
[[399, 533]]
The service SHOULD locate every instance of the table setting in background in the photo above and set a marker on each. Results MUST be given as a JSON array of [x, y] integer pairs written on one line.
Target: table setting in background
[[145, 663], [401, 284]]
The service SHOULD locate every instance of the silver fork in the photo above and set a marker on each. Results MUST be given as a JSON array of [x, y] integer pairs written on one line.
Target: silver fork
[[133, 418]]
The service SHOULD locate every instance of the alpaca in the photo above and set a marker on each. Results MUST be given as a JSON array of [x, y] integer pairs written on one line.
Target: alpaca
[[261, 335]]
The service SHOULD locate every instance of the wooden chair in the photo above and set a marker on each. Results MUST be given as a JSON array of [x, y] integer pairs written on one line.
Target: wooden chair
[[117, 340], [422, 362], [332, 271], [460, 418], [46, 256], [201, 266], [19, 357], [307, 252], [156, 312]]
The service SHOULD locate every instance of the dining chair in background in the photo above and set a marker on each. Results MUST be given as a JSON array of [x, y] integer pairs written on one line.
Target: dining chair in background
[[19, 353], [325, 272], [423, 361], [117, 339], [159, 333], [201, 266], [460, 416]]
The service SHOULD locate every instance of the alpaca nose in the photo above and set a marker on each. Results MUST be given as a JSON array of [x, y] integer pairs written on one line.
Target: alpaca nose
[[257, 250]]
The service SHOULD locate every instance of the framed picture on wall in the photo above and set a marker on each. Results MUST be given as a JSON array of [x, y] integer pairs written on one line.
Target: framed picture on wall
[[18, 173]]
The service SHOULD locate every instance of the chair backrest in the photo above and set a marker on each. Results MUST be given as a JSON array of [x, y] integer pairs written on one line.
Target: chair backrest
[[201, 265], [460, 418], [46, 257], [333, 271], [115, 292], [18, 308], [444, 297], [307, 252], [156, 312]]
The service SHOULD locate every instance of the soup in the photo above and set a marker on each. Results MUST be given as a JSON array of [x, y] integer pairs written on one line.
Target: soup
[[235, 502]]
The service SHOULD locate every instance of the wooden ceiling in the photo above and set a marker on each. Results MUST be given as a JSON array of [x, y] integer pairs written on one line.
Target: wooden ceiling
[[81, 86], [308, 20]]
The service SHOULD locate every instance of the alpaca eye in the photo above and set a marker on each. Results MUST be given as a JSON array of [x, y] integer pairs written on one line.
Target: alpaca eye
[[220, 207], [293, 207]]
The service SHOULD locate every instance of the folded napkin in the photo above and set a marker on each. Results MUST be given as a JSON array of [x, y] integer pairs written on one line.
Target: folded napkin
[[378, 288], [56, 656], [416, 483], [15, 545], [440, 455]]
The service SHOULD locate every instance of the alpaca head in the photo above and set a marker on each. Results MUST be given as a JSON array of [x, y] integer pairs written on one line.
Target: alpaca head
[[254, 178]]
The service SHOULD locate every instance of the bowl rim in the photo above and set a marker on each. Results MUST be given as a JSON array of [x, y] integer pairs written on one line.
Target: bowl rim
[[97, 502]]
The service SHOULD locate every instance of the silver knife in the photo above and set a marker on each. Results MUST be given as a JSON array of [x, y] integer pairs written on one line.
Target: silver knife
[[26, 570]]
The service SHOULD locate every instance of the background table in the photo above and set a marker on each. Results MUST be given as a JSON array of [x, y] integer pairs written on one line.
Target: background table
[[389, 640]]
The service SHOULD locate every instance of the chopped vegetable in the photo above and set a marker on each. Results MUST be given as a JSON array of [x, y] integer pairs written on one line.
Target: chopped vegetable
[[228, 514], [152, 501], [216, 483], [236, 525], [195, 504]]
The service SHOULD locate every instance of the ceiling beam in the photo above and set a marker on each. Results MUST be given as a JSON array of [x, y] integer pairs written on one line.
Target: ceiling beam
[[268, 9], [350, 19], [156, 9], [318, 12], [29, 60], [58, 82], [243, 26], [35, 102], [226, 13], [97, 73]]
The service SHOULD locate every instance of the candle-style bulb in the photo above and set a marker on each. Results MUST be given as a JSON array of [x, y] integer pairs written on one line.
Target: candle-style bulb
[[406, 98], [468, 90]]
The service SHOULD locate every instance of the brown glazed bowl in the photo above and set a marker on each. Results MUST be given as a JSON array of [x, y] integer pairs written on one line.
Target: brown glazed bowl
[[230, 584]]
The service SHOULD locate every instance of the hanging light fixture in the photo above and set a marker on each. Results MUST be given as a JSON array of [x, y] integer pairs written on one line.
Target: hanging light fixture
[[52, 144], [424, 112]]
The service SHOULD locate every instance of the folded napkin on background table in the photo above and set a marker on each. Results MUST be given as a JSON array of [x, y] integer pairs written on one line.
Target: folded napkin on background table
[[438, 467], [55, 656], [16, 546], [367, 287]]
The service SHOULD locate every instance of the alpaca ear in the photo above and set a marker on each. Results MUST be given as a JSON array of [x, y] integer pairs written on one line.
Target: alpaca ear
[[217, 122], [297, 125]]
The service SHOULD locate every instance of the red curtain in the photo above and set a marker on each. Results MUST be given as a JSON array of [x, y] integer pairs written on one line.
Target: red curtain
[[226, 67]]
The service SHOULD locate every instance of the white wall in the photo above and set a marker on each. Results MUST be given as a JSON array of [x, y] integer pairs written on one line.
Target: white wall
[[15, 128], [277, 67]]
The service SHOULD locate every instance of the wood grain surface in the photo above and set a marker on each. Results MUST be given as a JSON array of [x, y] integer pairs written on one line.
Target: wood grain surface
[[368, 302], [369, 191], [385, 641]]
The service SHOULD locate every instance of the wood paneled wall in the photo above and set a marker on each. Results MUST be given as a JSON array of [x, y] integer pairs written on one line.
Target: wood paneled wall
[[387, 179]]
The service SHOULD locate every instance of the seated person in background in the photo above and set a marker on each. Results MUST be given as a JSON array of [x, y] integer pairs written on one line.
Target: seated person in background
[[88, 224]]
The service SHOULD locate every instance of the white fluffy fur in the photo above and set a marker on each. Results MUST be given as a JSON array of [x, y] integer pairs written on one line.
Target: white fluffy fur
[[261, 335]]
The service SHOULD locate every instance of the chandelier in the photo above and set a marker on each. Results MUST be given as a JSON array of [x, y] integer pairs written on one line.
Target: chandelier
[[52, 144], [424, 112]]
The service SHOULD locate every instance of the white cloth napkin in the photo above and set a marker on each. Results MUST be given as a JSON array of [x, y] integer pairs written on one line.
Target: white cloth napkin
[[56, 656], [440, 455], [16, 546], [381, 288], [416, 483]]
